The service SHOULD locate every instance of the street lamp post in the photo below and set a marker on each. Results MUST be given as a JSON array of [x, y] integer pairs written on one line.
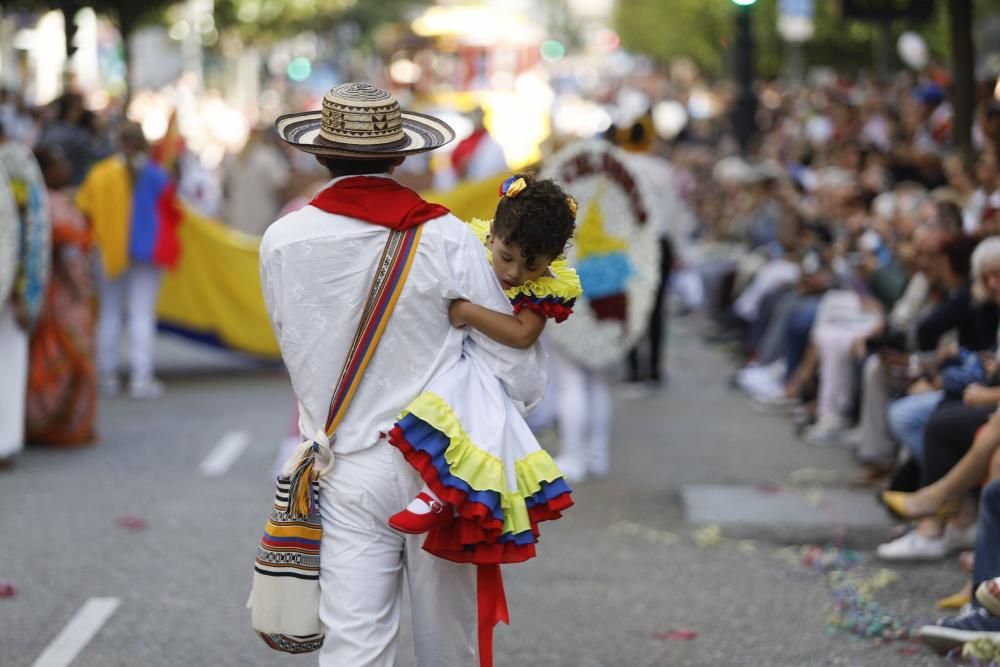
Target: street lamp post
[[745, 111]]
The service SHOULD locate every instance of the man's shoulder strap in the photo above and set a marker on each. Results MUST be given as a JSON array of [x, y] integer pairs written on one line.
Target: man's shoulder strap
[[386, 286]]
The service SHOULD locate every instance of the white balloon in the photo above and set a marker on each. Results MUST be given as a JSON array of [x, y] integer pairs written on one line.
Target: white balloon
[[913, 50]]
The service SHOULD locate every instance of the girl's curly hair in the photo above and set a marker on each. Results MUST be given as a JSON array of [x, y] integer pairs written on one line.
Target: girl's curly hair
[[540, 219]]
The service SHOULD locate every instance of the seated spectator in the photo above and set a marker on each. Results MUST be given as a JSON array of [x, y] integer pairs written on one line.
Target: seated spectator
[[974, 622], [944, 417]]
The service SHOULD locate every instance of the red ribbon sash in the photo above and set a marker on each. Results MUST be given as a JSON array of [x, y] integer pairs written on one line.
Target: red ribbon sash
[[492, 605]]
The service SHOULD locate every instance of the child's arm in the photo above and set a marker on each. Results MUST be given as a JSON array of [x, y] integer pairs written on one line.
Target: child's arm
[[518, 331]]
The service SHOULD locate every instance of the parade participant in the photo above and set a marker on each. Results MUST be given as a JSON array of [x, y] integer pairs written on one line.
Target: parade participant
[[478, 156], [25, 235], [62, 382], [129, 200], [316, 264], [677, 226], [255, 183], [616, 251], [477, 456]]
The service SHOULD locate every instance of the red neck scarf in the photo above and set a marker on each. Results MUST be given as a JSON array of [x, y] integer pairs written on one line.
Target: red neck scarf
[[380, 201]]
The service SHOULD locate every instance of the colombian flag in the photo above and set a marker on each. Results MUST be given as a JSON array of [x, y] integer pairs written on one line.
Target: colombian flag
[[131, 224]]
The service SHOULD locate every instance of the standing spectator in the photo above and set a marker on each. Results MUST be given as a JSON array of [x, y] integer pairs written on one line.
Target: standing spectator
[[130, 202], [62, 383], [254, 184], [69, 132]]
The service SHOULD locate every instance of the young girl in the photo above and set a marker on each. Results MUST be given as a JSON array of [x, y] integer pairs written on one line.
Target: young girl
[[488, 483]]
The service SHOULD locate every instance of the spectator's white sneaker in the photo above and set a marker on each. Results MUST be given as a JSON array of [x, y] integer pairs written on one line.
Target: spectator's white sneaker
[[829, 430], [145, 389], [762, 382], [110, 386], [914, 546], [752, 373], [960, 539]]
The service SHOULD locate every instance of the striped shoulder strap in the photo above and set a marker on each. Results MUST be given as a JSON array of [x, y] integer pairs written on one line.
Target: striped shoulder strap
[[387, 285]]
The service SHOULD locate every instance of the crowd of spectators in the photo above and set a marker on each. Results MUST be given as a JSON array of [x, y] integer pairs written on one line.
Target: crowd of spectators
[[853, 264]]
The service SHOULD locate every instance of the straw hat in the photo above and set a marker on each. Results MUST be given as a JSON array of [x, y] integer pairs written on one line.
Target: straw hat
[[361, 121]]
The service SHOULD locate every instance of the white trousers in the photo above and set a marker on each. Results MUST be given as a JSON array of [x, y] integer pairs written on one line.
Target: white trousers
[[139, 286], [13, 382], [840, 322], [362, 562], [584, 405]]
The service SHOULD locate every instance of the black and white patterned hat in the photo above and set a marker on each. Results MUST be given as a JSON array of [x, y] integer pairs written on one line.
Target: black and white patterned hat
[[359, 120]]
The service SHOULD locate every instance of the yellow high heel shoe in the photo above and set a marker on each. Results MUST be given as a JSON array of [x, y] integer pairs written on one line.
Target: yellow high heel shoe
[[955, 601], [895, 502]]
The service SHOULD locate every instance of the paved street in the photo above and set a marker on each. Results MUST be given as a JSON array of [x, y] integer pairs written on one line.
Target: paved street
[[137, 519]]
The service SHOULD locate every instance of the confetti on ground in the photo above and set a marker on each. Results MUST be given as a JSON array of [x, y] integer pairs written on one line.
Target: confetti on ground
[[853, 609], [677, 635], [7, 590], [633, 529], [981, 652], [708, 536], [829, 558], [135, 523]]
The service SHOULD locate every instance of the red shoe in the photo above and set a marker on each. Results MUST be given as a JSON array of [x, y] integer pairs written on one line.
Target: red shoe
[[414, 524]]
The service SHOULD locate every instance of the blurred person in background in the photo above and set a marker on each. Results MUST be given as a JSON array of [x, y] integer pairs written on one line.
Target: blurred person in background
[[25, 235], [478, 156], [886, 370], [130, 202], [17, 118], [62, 381], [254, 184], [985, 195], [70, 131], [677, 226], [13, 339]]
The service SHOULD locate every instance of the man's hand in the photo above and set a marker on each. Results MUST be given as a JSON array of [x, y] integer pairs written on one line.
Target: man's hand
[[456, 313]]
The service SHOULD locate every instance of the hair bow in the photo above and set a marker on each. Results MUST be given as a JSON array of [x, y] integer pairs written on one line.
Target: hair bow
[[572, 205], [512, 187]]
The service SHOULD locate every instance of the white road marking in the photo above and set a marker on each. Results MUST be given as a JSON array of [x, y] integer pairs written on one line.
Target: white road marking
[[78, 632], [225, 453]]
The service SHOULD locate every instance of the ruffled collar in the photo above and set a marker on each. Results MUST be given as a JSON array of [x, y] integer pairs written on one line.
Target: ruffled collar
[[563, 283]]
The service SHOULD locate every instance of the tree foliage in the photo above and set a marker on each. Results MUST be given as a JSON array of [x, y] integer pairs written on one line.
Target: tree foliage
[[127, 14], [273, 19], [703, 30]]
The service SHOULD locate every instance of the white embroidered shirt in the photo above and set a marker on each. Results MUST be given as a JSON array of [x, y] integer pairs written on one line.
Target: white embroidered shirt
[[316, 268]]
